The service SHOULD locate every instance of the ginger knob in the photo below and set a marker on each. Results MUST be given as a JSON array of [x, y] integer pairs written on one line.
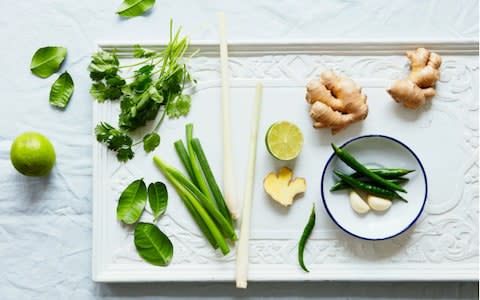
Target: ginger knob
[[282, 188], [336, 102], [417, 88]]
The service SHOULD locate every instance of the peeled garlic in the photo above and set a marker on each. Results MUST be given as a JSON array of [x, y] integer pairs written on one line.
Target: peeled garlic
[[358, 204], [378, 204]]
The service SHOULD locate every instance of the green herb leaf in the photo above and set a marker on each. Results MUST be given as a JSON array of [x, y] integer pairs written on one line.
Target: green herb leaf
[[97, 90], [157, 85], [157, 198], [132, 202], [140, 52], [151, 141], [47, 60], [152, 244], [134, 8], [180, 106], [103, 64], [115, 140], [61, 91]]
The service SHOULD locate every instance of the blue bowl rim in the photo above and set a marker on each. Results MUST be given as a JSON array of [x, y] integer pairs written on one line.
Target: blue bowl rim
[[398, 142]]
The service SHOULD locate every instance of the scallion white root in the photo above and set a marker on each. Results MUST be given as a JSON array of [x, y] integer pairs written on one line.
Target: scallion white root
[[242, 250], [228, 182]]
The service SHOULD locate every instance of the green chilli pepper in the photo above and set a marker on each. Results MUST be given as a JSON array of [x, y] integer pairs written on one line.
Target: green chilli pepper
[[357, 166], [341, 185], [387, 173], [369, 188], [303, 240]]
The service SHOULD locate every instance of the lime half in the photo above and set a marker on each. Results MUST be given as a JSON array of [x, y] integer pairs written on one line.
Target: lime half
[[32, 154], [284, 140]]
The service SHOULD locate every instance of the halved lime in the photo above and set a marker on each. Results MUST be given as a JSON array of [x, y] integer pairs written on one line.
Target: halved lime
[[284, 140]]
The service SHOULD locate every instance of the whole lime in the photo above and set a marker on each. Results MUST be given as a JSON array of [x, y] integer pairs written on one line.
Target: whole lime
[[32, 154]]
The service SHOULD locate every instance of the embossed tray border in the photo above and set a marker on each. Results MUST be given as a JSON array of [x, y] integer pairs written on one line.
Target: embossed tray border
[[101, 272]]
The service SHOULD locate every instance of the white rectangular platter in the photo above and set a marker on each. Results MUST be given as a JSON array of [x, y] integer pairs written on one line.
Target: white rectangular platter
[[442, 245]]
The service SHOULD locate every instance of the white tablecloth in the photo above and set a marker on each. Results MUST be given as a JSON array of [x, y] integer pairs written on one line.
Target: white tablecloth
[[45, 223]]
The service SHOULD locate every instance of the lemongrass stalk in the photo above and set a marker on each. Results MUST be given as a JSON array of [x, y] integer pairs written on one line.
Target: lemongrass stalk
[[228, 181], [242, 250], [183, 192], [212, 183]]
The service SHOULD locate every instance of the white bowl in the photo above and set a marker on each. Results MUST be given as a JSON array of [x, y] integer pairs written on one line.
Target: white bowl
[[376, 151]]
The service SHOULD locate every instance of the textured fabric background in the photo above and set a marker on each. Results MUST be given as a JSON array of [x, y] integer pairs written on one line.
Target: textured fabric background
[[45, 223]]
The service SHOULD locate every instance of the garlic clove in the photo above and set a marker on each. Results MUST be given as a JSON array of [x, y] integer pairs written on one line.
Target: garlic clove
[[358, 204], [378, 204]]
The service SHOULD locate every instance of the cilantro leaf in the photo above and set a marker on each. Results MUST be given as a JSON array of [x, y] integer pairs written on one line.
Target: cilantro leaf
[[125, 153], [103, 63], [179, 106], [157, 84], [97, 90], [107, 83], [139, 52], [115, 140], [151, 141]]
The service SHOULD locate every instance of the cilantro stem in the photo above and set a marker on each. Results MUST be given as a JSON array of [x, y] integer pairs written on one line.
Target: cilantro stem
[[142, 62]]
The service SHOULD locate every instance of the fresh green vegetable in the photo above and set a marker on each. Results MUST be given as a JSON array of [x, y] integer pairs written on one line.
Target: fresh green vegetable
[[347, 158], [132, 202], [179, 106], [183, 155], [212, 183], [224, 223], [199, 179], [305, 235], [156, 86], [387, 173], [199, 221], [341, 185], [200, 203], [188, 197], [217, 235], [61, 91], [152, 244], [139, 52], [134, 8], [115, 140], [47, 60], [104, 69], [157, 198], [369, 188], [197, 195], [151, 141]]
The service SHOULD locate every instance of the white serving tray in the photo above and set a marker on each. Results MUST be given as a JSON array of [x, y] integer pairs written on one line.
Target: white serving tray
[[443, 245]]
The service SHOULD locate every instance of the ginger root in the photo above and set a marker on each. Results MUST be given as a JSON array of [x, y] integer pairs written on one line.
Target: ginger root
[[417, 88], [336, 101], [282, 188]]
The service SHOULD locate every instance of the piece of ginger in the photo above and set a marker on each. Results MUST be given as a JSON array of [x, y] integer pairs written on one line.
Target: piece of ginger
[[417, 88], [336, 101], [282, 188]]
